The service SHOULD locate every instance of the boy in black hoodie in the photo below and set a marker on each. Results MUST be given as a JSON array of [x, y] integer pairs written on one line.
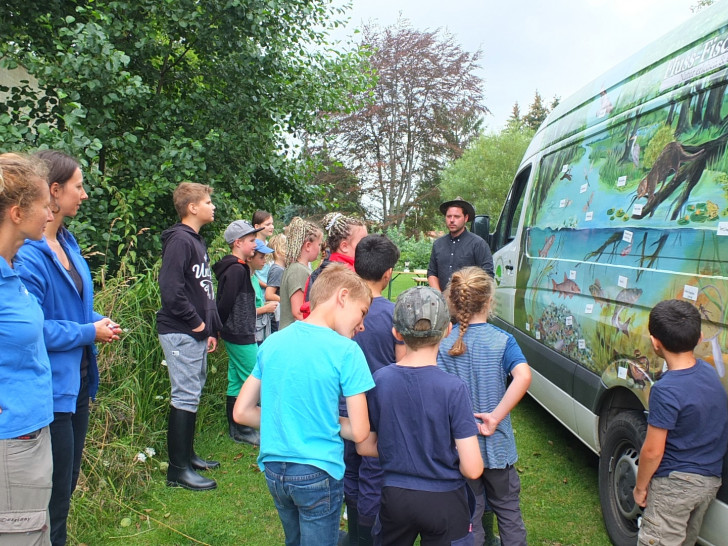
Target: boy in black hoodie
[[187, 324], [236, 306]]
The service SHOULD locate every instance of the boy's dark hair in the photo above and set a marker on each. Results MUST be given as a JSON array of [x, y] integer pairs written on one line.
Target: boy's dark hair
[[373, 256], [415, 343], [675, 324]]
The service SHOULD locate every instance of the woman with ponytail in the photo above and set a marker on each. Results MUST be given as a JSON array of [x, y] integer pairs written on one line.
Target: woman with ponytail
[[484, 356]]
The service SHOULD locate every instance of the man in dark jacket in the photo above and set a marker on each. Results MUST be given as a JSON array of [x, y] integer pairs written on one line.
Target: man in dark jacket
[[187, 324]]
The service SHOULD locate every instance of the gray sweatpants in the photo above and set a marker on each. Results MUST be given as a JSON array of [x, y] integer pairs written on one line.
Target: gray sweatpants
[[187, 365]]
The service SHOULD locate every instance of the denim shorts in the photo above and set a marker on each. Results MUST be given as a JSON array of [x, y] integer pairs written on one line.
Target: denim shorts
[[308, 501]]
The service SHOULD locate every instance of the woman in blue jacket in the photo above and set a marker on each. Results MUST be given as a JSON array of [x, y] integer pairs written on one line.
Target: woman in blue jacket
[[26, 394], [57, 275]]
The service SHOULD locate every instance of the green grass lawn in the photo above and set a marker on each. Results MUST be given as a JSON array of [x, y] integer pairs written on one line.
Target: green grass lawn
[[559, 495]]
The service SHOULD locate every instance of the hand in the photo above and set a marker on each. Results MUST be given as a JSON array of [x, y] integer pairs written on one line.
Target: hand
[[106, 330], [489, 423], [640, 496], [270, 307], [199, 328], [211, 344]]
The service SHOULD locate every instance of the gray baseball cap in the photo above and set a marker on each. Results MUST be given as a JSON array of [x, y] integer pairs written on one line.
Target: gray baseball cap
[[238, 229], [421, 302]]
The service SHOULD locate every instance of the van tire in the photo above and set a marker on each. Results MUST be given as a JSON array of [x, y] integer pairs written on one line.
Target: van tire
[[621, 446]]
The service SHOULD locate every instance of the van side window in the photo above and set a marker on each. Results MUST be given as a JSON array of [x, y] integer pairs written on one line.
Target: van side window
[[508, 222]]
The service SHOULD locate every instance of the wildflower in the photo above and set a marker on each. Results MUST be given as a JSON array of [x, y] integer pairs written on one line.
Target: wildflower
[[140, 457], [150, 451], [164, 363], [159, 397]]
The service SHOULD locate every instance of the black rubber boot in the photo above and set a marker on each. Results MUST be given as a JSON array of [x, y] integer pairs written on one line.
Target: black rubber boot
[[352, 519], [198, 463], [490, 538], [240, 433], [180, 434]]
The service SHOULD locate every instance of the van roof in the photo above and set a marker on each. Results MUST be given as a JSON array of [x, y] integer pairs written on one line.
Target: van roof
[[658, 72]]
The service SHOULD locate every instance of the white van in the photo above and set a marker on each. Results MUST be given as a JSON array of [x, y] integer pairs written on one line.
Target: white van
[[621, 201]]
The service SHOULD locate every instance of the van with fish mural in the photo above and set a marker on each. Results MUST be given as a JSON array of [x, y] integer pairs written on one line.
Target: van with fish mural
[[621, 201]]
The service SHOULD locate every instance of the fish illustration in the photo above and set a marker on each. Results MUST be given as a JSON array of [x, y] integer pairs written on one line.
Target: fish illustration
[[567, 288], [625, 298], [596, 291], [588, 202], [639, 374], [547, 246], [627, 250]]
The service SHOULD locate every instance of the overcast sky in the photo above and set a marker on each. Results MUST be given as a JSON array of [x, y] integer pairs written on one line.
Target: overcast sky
[[554, 46]]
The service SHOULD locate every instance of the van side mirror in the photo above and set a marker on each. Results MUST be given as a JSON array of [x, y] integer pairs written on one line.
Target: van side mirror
[[481, 226]]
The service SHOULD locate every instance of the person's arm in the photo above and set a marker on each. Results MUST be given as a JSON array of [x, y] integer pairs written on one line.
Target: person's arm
[[432, 278], [471, 462], [521, 374], [270, 294], [296, 302], [266, 308], [357, 427], [650, 457], [246, 410], [172, 288], [368, 448], [483, 256]]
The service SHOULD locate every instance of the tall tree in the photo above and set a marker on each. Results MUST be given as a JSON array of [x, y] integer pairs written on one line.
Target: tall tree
[[426, 107], [515, 121], [484, 173], [537, 112], [151, 93]]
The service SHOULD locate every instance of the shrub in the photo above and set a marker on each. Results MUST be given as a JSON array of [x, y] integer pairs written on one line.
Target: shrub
[[415, 250]]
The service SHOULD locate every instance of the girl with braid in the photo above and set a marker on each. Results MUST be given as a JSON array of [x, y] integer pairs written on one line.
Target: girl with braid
[[484, 356], [343, 233], [304, 244]]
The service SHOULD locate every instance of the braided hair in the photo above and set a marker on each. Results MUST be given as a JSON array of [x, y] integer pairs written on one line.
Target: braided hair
[[470, 292], [338, 228], [299, 233]]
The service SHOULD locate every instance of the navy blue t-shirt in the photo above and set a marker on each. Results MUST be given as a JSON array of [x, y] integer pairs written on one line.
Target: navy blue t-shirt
[[377, 340], [418, 413], [692, 406]]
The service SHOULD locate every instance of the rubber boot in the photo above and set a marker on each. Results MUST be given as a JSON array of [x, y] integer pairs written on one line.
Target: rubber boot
[[352, 520], [197, 462], [490, 538], [180, 434], [240, 433]]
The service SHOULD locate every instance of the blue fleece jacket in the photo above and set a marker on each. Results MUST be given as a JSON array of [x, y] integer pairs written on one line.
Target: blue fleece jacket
[[68, 326]]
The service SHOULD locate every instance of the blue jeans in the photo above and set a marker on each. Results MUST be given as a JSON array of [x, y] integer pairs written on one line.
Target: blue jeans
[[308, 501]]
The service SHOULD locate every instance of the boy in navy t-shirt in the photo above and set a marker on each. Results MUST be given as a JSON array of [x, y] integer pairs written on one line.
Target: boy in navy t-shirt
[[681, 461], [375, 258], [424, 432]]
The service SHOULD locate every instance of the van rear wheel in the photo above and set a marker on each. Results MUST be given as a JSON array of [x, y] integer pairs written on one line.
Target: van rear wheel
[[618, 474]]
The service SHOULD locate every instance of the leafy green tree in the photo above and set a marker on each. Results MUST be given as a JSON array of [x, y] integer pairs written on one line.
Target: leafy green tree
[[151, 93], [483, 175], [515, 121], [537, 112], [425, 109]]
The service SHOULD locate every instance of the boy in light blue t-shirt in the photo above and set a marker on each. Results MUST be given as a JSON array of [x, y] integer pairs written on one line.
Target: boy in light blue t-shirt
[[299, 375]]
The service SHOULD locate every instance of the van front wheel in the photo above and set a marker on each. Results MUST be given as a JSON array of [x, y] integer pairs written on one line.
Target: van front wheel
[[618, 474]]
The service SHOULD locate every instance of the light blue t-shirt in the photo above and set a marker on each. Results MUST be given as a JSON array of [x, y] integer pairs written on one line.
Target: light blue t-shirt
[[303, 369]]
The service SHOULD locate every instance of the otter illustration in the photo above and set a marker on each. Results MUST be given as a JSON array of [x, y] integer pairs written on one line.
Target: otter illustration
[[669, 161]]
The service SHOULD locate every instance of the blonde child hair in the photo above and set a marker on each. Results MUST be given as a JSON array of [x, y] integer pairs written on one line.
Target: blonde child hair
[[470, 291], [187, 193], [300, 232], [279, 245], [335, 277]]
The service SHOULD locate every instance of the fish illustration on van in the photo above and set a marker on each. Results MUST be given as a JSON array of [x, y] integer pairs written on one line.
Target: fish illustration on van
[[597, 293], [547, 246], [625, 298], [567, 288]]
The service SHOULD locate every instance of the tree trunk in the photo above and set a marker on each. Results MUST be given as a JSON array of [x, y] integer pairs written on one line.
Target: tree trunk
[[682, 121], [697, 117], [712, 111]]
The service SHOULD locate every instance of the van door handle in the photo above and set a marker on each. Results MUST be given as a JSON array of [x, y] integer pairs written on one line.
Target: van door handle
[[509, 267]]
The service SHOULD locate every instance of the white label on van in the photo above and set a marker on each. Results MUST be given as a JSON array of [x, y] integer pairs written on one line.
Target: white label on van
[[627, 236], [582, 344], [589, 309], [572, 274], [622, 281], [637, 209], [622, 372], [722, 228], [562, 203], [538, 334], [528, 327], [589, 216], [621, 181], [690, 292], [565, 168], [583, 188], [569, 320]]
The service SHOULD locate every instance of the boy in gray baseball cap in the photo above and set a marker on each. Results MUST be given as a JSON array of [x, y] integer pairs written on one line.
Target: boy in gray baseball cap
[[423, 431]]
